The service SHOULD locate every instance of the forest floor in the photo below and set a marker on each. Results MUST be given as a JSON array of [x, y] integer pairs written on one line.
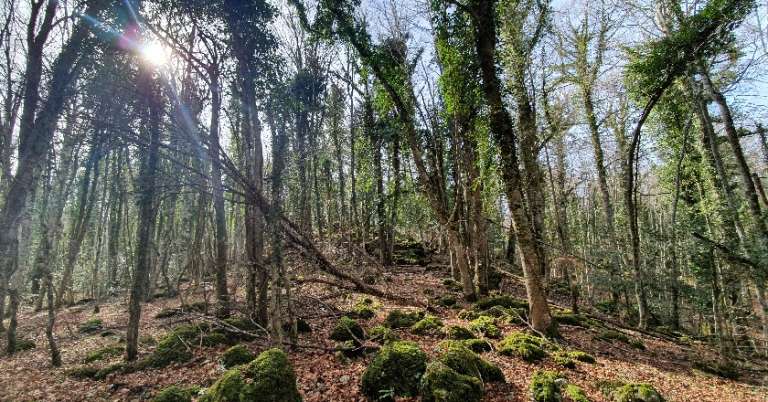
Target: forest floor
[[324, 376]]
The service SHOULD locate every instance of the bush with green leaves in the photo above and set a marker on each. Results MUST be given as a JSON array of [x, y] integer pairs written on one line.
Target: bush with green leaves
[[396, 370]]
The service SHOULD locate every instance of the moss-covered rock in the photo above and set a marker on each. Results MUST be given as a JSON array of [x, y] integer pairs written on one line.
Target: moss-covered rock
[[91, 326], [82, 372], [575, 393], [104, 353], [525, 346], [365, 308], [446, 301], [567, 317], [217, 337], [401, 319], [636, 393], [120, 367], [478, 345], [724, 370], [396, 370], [236, 355], [302, 326], [174, 347], [458, 332], [381, 335], [347, 329], [452, 285], [499, 300], [268, 378], [561, 358], [486, 326], [581, 356], [427, 325], [441, 383], [546, 386], [468, 315], [174, 393], [495, 312], [611, 335], [456, 355]]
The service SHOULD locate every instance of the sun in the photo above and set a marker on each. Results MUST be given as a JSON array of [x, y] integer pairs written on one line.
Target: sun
[[155, 53]]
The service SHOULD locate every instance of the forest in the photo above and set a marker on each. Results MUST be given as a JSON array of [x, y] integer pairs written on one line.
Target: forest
[[383, 200]]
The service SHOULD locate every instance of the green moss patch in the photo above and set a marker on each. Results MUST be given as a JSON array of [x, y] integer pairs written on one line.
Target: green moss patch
[[611, 335], [458, 332], [427, 325], [236, 355], [446, 301], [456, 355], [575, 393], [468, 315], [174, 393], [347, 329], [104, 353], [268, 378], [478, 345], [365, 308], [396, 370], [505, 301], [724, 370], [441, 383], [486, 326], [636, 393], [91, 326], [381, 334], [452, 285], [401, 319], [546, 386], [82, 373], [525, 346]]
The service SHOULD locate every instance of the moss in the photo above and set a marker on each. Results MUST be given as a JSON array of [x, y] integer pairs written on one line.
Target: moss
[[561, 358], [365, 308], [468, 314], [495, 312], [485, 325], [235, 356], [575, 393], [545, 386], [636, 393], [458, 332], [395, 371], [350, 349], [527, 347], [216, 338], [174, 393], [91, 326], [401, 319], [302, 326], [446, 301], [268, 378], [724, 370], [168, 312], [452, 285], [581, 356], [147, 340], [637, 344], [103, 353], [478, 345], [441, 383], [23, 344], [174, 347], [567, 317], [381, 334], [427, 325], [347, 329], [459, 357], [83, 372], [501, 300], [612, 335], [114, 368]]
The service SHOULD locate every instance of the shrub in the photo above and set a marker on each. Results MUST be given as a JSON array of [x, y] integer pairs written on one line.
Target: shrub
[[400, 319], [581, 356], [396, 370], [524, 346], [91, 326], [545, 386], [381, 334], [217, 337], [427, 325], [174, 393], [103, 353], [347, 329], [458, 332], [235, 356], [485, 325], [269, 378], [441, 383]]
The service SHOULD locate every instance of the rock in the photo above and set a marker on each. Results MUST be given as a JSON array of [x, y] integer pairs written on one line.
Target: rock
[[486, 326], [443, 384], [457, 332], [235, 356], [396, 370], [524, 346], [400, 319], [456, 355], [427, 325], [347, 329], [546, 386]]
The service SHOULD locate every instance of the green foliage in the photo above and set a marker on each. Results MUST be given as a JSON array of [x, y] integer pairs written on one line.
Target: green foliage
[[381, 334], [91, 326], [575, 393], [397, 369], [400, 319], [365, 308], [581, 356], [459, 357], [546, 386], [656, 64], [347, 329], [427, 325], [268, 378], [458, 332], [485, 325], [174, 393], [525, 346], [561, 358], [103, 353], [441, 383], [236, 355]]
